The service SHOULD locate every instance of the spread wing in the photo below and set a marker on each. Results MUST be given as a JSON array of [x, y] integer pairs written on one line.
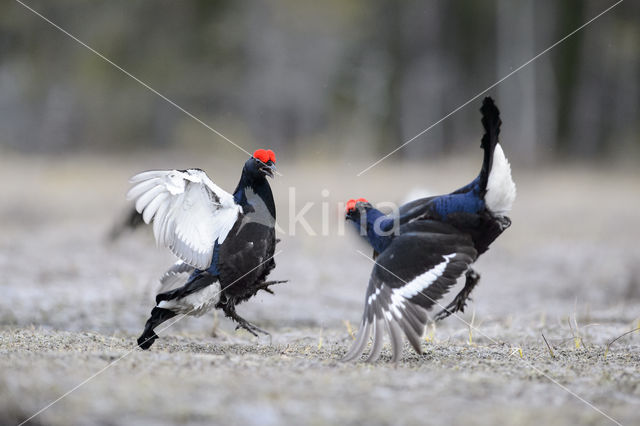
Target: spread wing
[[188, 210], [409, 277]]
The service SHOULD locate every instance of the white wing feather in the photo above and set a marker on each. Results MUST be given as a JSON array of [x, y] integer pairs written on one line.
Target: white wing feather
[[175, 277], [188, 210]]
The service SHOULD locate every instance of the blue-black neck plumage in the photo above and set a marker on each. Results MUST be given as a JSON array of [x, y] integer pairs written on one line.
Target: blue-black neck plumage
[[378, 233], [252, 178]]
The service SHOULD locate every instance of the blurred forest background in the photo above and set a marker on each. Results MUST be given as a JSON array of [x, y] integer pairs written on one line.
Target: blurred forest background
[[331, 86], [349, 78]]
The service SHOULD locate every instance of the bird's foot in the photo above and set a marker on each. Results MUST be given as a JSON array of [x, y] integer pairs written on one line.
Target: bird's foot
[[457, 305], [460, 301], [230, 311], [251, 328], [265, 285]]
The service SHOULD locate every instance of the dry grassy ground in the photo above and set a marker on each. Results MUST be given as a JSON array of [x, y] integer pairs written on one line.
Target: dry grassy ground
[[72, 304]]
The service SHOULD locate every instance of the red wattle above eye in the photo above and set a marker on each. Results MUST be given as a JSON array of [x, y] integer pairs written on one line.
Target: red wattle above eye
[[272, 156], [261, 155], [351, 204]]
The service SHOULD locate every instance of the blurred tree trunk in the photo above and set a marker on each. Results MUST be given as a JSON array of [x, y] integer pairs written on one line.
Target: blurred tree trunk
[[391, 20], [607, 86], [517, 96], [427, 78], [570, 16]]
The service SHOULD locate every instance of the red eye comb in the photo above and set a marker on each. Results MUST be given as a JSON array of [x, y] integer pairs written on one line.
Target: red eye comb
[[351, 204], [272, 156], [262, 155]]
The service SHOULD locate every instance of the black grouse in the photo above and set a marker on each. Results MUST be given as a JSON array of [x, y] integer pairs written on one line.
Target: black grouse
[[423, 249], [225, 242]]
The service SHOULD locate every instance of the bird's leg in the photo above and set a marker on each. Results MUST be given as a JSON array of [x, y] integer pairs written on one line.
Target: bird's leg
[[265, 285], [460, 301], [230, 311]]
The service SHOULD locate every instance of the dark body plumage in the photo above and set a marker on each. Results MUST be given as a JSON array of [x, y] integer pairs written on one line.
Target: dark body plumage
[[428, 244], [237, 268]]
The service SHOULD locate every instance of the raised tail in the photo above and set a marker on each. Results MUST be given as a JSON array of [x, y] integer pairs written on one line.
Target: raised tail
[[491, 123], [496, 184], [493, 189]]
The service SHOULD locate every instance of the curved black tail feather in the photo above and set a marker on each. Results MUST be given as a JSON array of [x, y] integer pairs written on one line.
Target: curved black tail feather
[[158, 316], [491, 123]]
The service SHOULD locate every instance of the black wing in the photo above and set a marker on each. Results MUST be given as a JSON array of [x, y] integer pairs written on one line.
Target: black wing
[[246, 259], [416, 209], [409, 277]]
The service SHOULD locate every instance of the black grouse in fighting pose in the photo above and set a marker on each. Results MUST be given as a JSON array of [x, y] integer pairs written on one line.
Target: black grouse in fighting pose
[[422, 250], [225, 242]]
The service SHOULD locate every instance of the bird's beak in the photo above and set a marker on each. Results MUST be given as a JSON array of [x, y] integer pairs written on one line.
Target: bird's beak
[[269, 169]]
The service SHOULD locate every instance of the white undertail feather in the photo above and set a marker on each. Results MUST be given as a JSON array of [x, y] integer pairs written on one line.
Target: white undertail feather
[[501, 190], [195, 304]]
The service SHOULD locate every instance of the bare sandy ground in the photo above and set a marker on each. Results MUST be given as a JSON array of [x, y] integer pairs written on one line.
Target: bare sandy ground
[[72, 305]]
